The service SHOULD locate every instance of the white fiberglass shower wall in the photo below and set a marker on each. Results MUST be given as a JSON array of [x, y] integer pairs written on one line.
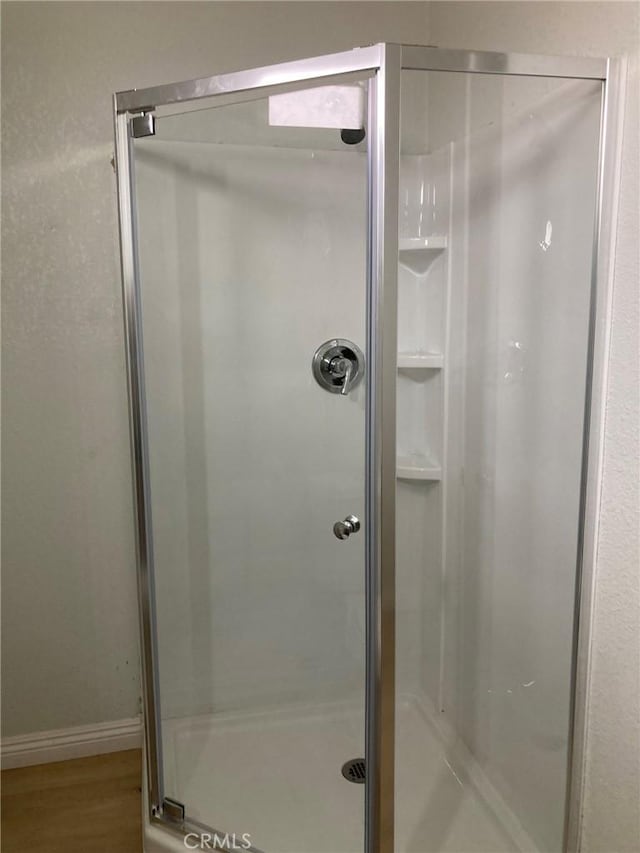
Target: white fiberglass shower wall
[[254, 245]]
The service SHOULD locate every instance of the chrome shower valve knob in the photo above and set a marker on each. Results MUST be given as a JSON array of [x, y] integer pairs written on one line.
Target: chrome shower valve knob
[[344, 529], [338, 366]]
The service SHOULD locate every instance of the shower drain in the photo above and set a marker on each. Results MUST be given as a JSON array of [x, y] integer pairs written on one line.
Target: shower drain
[[354, 770]]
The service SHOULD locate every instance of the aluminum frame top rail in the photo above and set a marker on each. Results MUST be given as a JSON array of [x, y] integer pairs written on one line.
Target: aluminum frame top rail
[[414, 58], [417, 58], [299, 70]]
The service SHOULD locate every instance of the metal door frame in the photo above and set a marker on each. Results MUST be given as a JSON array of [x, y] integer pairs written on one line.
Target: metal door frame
[[383, 63]]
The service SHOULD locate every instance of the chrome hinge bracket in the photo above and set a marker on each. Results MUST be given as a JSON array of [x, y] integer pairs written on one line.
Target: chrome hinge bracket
[[143, 125], [173, 810]]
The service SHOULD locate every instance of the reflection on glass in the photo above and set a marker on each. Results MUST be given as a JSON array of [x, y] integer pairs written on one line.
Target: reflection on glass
[[497, 199]]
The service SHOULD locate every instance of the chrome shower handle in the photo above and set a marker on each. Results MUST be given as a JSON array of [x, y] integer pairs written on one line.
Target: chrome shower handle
[[348, 376], [344, 529], [343, 368], [338, 366]]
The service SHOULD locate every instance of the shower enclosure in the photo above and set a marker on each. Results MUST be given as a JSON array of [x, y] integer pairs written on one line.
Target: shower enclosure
[[365, 313]]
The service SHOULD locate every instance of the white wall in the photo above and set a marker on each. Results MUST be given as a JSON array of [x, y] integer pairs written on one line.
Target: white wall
[[612, 820], [68, 568]]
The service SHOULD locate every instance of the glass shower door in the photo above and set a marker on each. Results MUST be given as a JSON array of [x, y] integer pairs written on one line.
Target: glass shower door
[[252, 272]]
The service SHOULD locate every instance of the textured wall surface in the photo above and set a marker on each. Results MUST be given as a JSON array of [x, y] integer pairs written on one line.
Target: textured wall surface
[[68, 553], [612, 804]]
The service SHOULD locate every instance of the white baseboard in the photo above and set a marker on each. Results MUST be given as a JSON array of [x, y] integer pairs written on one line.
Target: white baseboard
[[75, 742]]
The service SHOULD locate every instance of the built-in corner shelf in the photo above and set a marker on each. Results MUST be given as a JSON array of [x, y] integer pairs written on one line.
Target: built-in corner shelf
[[412, 468], [420, 361], [422, 260], [434, 243], [418, 253]]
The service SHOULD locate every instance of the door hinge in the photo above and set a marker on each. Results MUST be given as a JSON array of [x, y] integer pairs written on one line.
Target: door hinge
[[143, 125], [173, 810]]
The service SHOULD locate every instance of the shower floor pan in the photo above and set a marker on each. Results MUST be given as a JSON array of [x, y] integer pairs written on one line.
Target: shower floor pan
[[277, 776]]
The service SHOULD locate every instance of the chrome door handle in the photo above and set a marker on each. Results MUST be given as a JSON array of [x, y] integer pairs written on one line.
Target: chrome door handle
[[344, 529]]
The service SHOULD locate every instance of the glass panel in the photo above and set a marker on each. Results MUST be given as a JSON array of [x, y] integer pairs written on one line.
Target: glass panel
[[497, 204], [252, 245]]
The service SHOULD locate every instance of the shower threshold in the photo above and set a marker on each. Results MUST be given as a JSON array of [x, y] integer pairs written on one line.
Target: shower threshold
[[277, 776]]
